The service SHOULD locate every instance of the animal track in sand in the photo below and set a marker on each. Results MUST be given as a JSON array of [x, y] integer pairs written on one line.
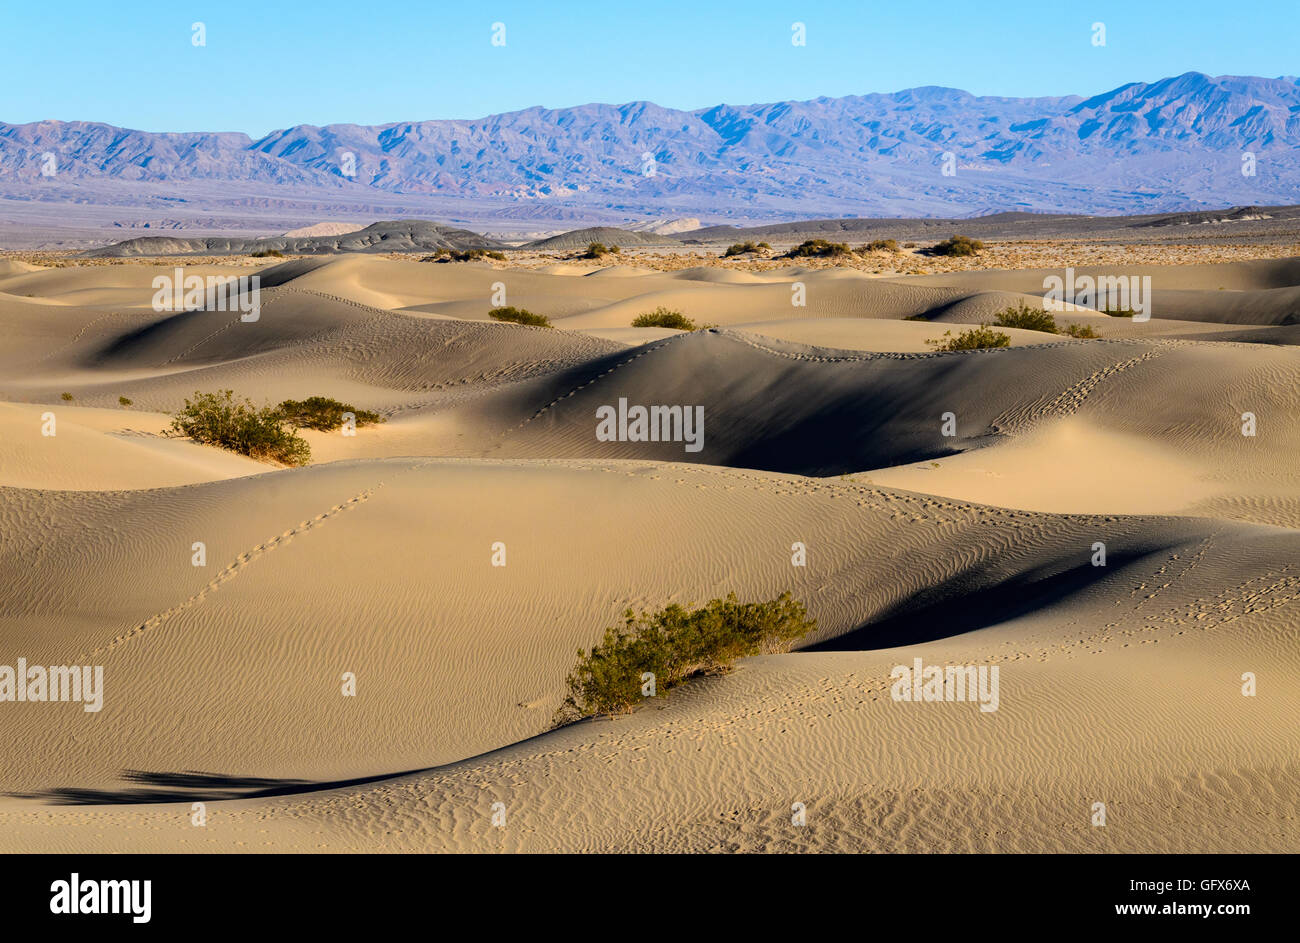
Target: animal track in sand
[[231, 571]]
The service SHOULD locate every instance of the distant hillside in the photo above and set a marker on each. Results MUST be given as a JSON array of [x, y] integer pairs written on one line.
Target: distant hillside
[[1175, 145], [393, 236], [1252, 221], [606, 235]]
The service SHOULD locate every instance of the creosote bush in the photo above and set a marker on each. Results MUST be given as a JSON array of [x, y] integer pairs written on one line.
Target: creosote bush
[[464, 255], [123, 401], [219, 419], [1084, 331], [519, 316], [66, 397], [977, 338], [817, 249], [957, 245], [595, 250], [1119, 312], [266, 254], [1027, 319], [675, 644], [322, 413], [664, 317], [879, 245], [744, 248]]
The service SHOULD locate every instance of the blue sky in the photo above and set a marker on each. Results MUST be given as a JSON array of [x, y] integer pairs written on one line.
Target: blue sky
[[275, 63]]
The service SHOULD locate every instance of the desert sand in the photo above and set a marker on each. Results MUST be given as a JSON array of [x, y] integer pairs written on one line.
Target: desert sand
[[1120, 684]]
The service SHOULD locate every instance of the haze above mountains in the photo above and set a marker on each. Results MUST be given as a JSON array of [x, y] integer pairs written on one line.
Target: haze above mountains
[[1175, 144]]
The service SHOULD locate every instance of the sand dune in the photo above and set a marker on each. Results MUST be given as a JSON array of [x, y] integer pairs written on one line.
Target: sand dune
[[823, 426], [105, 450]]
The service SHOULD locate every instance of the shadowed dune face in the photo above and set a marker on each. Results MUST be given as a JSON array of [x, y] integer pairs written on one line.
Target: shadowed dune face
[[950, 507]]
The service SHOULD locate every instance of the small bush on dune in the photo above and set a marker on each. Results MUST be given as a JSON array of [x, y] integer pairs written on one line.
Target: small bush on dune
[[1084, 331], [1027, 319], [219, 419], [879, 245], [957, 245], [817, 249], [977, 338], [664, 317], [66, 397], [123, 401], [595, 250], [519, 316], [322, 414], [465, 255], [744, 248], [675, 644], [267, 254], [1119, 312]]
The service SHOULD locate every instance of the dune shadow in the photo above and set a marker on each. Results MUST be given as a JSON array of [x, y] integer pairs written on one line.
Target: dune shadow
[[949, 609], [190, 786]]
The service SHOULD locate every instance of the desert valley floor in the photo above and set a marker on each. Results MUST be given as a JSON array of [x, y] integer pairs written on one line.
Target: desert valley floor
[[1120, 684]]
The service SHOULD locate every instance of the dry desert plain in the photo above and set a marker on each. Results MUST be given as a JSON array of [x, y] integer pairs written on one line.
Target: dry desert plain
[[1119, 684]]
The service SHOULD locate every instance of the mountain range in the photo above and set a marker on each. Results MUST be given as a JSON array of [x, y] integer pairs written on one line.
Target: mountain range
[[1176, 144]]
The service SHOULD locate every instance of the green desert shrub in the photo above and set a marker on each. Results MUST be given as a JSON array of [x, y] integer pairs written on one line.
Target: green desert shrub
[[322, 413], [595, 250], [219, 419], [1027, 319], [675, 644], [464, 255], [817, 249], [957, 245], [741, 248], [879, 245], [267, 254], [664, 317], [519, 316], [977, 338], [1084, 331], [1119, 312], [66, 397], [123, 401]]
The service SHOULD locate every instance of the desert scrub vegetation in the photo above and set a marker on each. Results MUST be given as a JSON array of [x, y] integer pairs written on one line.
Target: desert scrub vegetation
[[977, 338], [879, 245], [1119, 312], [596, 250], [1027, 319], [674, 644], [745, 248], [817, 249], [124, 401], [464, 255], [519, 316], [664, 317], [957, 245], [221, 420], [66, 397], [322, 413], [266, 254]]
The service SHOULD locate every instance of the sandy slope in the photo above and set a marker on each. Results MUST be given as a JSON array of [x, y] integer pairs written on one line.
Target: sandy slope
[[823, 425]]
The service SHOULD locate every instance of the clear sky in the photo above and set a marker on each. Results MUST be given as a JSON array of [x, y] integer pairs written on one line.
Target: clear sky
[[275, 63]]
